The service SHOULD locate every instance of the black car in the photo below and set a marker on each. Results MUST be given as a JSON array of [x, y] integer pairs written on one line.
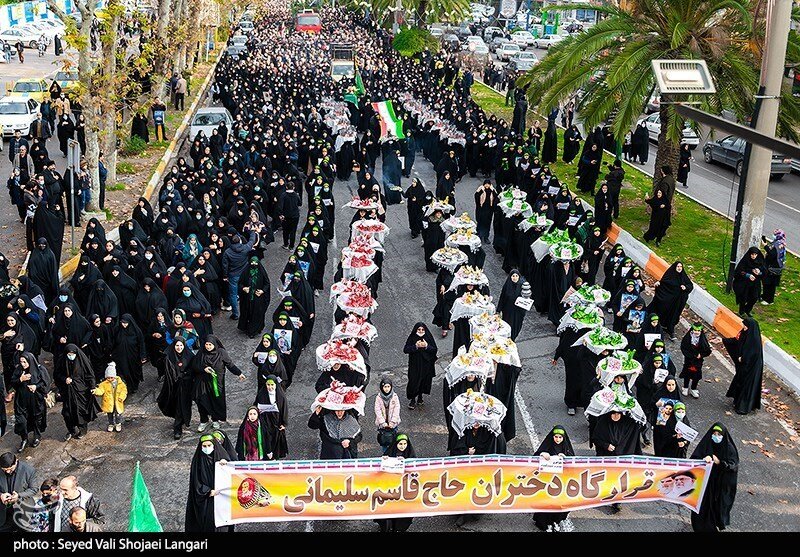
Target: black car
[[730, 152]]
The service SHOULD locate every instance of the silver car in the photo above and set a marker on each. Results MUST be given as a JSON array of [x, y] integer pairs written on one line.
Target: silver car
[[208, 119]]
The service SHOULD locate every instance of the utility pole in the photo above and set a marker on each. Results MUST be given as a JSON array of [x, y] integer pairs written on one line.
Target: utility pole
[[751, 213]]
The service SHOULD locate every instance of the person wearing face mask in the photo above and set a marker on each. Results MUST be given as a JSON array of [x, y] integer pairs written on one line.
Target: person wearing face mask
[[31, 383], [717, 447], [79, 407], [695, 349], [175, 398], [254, 298], [15, 185], [200, 500], [274, 408], [39, 517]]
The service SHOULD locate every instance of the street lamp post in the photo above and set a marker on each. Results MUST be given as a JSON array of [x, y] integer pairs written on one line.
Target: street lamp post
[[756, 172]]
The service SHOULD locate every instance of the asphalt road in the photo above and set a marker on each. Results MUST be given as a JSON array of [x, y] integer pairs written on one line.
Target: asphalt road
[[768, 496], [716, 186]]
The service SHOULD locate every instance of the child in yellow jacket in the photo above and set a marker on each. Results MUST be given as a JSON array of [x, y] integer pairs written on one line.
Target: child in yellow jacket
[[113, 392]]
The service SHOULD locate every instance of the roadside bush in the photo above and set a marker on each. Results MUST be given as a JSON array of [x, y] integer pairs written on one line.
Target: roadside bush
[[134, 146]]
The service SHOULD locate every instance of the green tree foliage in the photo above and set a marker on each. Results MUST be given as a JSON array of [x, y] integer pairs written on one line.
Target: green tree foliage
[[611, 63], [412, 40]]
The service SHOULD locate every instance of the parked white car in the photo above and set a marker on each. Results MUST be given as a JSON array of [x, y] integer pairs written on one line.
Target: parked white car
[[28, 37], [525, 58], [208, 119], [41, 29], [17, 113], [523, 39], [246, 26], [546, 41], [507, 50], [653, 125]]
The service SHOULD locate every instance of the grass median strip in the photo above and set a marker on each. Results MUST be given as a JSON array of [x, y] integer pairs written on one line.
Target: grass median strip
[[698, 237]]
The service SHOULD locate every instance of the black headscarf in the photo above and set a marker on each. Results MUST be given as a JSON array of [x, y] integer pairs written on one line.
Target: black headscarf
[[428, 337], [549, 446]]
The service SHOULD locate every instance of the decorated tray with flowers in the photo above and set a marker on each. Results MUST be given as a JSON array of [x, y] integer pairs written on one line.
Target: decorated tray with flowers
[[621, 362], [461, 222], [341, 397], [474, 361], [511, 194], [512, 207], [469, 304], [360, 303], [615, 400], [534, 221], [590, 294], [337, 351], [491, 324], [355, 326], [348, 286], [565, 251], [468, 274], [501, 349], [600, 339], [472, 408], [372, 227], [366, 204], [581, 316], [437, 205], [464, 237], [449, 258]]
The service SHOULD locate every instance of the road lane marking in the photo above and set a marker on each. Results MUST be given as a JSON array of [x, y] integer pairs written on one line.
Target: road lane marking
[[526, 417]]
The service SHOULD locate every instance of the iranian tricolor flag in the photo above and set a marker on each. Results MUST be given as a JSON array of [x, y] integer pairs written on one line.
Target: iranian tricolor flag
[[391, 126]]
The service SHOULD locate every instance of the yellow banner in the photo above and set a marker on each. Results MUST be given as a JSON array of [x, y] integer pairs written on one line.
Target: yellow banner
[[373, 488]]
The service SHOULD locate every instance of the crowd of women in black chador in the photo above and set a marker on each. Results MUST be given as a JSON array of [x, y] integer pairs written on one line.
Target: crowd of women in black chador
[[218, 210]]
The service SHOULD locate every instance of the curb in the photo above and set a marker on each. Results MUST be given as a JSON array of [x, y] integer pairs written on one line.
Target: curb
[[68, 268], [706, 306]]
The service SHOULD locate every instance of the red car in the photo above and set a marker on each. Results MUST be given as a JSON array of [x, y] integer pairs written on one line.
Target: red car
[[308, 21]]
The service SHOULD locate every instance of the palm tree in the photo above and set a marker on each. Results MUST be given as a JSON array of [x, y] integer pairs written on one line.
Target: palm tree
[[453, 11], [611, 63]]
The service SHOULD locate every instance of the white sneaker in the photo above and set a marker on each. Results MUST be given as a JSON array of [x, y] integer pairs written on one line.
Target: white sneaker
[[763, 303], [685, 391], [202, 427], [214, 425], [225, 308], [695, 393], [118, 427], [110, 428]]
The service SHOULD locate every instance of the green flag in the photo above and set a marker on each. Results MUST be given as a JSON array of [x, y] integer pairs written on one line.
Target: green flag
[[360, 90], [143, 516]]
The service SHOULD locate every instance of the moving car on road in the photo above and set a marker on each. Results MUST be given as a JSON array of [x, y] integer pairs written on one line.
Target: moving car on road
[[17, 113], [730, 152], [653, 125], [546, 41], [490, 32], [32, 88], [472, 42], [507, 50], [523, 39], [497, 42]]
